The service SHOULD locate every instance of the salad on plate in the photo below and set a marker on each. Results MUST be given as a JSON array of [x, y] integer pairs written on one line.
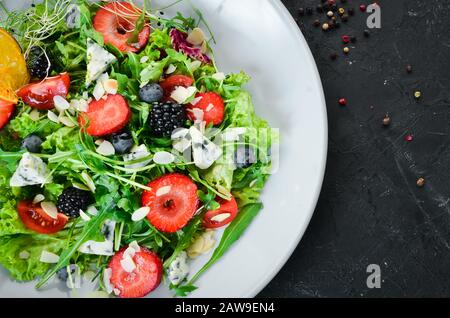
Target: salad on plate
[[125, 153]]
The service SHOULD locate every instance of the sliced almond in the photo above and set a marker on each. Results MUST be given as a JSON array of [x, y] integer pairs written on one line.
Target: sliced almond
[[61, 104], [219, 76], [38, 198], [98, 142], [220, 217], [140, 214], [163, 158], [128, 264], [66, 121], [196, 100], [50, 209], [48, 257], [107, 273], [89, 182], [204, 48], [163, 190], [106, 149], [84, 216], [195, 65], [181, 94], [111, 86], [144, 59], [34, 115], [196, 37], [92, 210], [52, 116], [210, 106], [135, 246], [99, 91], [24, 255], [172, 68]]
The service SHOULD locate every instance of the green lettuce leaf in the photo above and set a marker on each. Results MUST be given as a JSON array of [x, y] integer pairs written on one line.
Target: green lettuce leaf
[[30, 268]]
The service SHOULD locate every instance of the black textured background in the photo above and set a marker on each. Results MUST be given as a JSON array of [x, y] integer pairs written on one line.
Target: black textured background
[[370, 209]]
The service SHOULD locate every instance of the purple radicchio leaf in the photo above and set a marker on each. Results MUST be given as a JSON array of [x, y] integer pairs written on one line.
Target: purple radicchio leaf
[[180, 44]]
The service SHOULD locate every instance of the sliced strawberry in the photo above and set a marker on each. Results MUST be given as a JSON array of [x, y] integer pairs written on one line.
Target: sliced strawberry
[[172, 201], [172, 82], [145, 278], [40, 94], [6, 111], [212, 106], [226, 213], [106, 116], [116, 21]]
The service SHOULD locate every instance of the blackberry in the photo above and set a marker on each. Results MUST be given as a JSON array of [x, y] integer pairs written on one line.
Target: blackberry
[[38, 63], [166, 117], [72, 200]]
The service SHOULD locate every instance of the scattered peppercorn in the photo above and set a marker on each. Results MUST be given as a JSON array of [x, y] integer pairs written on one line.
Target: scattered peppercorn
[[342, 101], [344, 18], [337, 25], [331, 2], [351, 11], [386, 120], [363, 8], [316, 23], [345, 39], [409, 68], [309, 11], [331, 24], [301, 11], [330, 14], [366, 33], [353, 39], [417, 94], [341, 11], [333, 56], [409, 138], [319, 8], [346, 50], [325, 26], [420, 182]]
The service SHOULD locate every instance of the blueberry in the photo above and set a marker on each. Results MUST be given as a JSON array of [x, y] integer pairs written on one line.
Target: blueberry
[[32, 143], [151, 93], [63, 275], [122, 142], [244, 157]]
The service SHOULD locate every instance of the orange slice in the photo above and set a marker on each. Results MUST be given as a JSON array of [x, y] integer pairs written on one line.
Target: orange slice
[[13, 67]]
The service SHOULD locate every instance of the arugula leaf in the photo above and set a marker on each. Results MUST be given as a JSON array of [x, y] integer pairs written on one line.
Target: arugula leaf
[[153, 72], [231, 234], [182, 291], [91, 229]]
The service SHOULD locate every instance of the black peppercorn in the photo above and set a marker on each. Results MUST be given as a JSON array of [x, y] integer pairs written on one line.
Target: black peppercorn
[[344, 18], [351, 11], [386, 121], [409, 68], [301, 11], [366, 33], [316, 23], [353, 39], [333, 56], [337, 25]]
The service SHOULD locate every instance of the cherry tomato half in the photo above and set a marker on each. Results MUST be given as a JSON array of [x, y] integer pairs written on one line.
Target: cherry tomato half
[[35, 219], [226, 213]]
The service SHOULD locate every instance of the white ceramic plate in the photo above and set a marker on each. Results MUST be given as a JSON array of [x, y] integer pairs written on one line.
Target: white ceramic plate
[[260, 37]]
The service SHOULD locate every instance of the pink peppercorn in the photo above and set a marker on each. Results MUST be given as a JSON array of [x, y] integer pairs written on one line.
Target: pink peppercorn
[[342, 101], [409, 138], [362, 8], [345, 39]]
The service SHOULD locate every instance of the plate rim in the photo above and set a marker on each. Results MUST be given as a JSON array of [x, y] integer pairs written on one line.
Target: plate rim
[[281, 9]]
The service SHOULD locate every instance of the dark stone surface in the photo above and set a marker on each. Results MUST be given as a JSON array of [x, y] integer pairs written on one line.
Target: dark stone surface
[[370, 209]]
